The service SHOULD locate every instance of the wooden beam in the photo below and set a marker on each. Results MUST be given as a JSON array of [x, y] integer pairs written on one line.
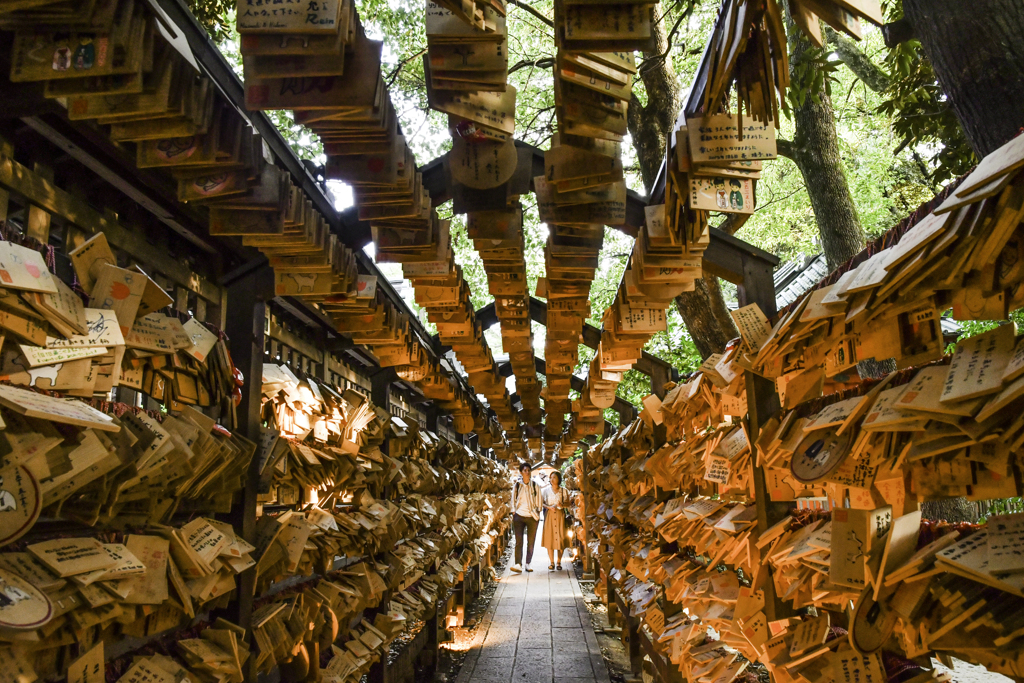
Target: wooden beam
[[723, 258], [292, 340], [44, 194], [576, 383], [130, 180]]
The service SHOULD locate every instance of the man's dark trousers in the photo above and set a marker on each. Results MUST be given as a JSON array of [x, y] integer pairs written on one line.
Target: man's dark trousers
[[519, 525]]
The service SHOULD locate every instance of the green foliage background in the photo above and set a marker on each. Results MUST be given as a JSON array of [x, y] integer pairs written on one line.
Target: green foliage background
[[897, 147]]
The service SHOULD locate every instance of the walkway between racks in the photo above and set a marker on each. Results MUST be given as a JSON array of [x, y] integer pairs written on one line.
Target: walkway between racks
[[536, 630]]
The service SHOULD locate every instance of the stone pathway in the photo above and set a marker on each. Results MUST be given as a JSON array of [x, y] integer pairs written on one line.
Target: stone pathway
[[536, 630]]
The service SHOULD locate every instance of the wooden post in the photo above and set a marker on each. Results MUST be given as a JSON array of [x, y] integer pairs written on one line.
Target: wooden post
[[6, 149], [428, 657], [38, 224], [762, 403], [378, 673], [613, 609], [430, 417], [583, 495], [246, 322], [324, 369], [380, 382], [630, 631], [659, 377], [627, 413], [380, 393]]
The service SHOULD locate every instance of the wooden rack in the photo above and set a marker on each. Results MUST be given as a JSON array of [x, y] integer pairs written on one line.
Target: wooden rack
[[62, 182]]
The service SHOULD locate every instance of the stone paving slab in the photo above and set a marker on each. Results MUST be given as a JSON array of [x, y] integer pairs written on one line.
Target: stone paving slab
[[536, 630]]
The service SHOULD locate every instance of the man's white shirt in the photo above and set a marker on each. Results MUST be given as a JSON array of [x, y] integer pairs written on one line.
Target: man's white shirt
[[525, 505]]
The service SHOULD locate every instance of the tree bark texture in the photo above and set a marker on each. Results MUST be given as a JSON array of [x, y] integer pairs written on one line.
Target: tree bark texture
[[815, 150], [857, 62], [650, 126], [718, 307], [875, 368], [977, 51], [703, 325], [703, 310], [950, 510]]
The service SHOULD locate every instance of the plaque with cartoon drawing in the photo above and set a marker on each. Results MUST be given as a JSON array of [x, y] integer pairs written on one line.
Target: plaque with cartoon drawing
[[303, 283], [819, 454], [20, 503], [23, 607], [730, 195]]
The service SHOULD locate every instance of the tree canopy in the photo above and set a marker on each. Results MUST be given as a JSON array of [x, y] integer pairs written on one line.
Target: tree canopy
[[898, 141]]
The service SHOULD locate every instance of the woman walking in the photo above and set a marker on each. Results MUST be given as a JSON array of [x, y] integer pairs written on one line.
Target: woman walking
[[555, 499]]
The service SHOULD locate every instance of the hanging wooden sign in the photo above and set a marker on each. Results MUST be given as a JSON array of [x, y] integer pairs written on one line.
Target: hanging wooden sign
[[820, 453], [23, 268], [102, 330], [360, 86], [40, 56], [728, 195], [288, 16], [65, 411], [481, 165], [718, 139]]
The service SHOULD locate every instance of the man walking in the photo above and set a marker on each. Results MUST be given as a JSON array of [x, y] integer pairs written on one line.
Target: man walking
[[526, 505]]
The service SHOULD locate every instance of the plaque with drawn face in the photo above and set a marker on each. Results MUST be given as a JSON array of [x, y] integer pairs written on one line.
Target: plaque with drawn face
[[820, 453]]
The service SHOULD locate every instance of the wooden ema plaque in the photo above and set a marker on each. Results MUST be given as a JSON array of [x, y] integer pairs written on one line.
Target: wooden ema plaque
[[288, 16], [23, 607], [820, 453], [716, 140], [20, 502], [481, 165]]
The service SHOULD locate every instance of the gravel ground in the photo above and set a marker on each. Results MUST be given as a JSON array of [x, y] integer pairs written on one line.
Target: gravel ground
[[451, 655], [614, 652]]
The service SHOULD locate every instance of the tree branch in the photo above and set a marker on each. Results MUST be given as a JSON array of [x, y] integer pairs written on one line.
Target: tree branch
[[858, 62], [529, 126], [773, 200], [394, 74], [657, 59], [732, 223], [532, 11], [543, 63], [785, 148]]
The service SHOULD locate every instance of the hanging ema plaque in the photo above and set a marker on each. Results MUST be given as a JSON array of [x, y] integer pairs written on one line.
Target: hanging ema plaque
[[820, 453], [20, 503]]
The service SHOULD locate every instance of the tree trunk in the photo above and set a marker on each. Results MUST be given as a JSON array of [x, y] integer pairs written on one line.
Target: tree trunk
[[977, 51], [718, 307], [815, 150], [650, 126], [703, 310], [950, 510], [698, 313]]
